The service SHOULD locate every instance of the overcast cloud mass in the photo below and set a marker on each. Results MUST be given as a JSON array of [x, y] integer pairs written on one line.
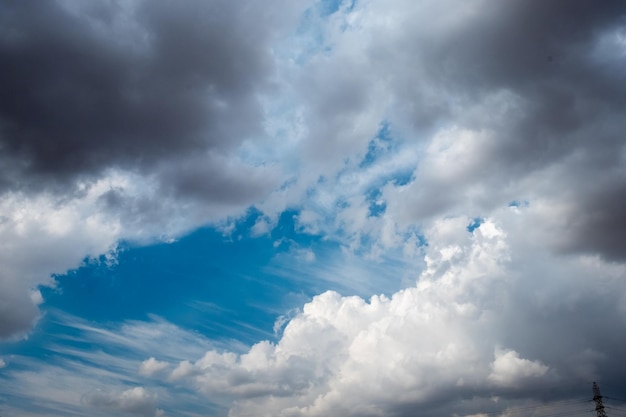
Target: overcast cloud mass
[[453, 173]]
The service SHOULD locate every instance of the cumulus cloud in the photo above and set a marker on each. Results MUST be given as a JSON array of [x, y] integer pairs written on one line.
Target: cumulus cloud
[[508, 369]]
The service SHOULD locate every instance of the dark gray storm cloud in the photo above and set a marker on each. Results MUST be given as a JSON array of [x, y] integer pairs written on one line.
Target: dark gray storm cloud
[[88, 86]]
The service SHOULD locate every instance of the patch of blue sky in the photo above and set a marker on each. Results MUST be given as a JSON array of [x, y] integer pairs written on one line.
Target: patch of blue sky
[[475, 224], [288, 228], [328, 7], [385, 145], [311, 30], [347, 272], [381, 144], [310, 37], [205, 281], [403, 177], [374, 196], [377, 205], [418, 236], [519, 203]]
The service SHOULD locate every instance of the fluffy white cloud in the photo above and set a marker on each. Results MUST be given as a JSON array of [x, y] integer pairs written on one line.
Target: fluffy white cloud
[[508, 369]]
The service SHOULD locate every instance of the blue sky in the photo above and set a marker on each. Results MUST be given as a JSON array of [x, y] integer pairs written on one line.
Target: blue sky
[[311, 208]]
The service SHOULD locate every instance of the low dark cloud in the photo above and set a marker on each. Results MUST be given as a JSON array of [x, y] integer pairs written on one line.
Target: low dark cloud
[[17, 311], [598, 223], [125, 84]]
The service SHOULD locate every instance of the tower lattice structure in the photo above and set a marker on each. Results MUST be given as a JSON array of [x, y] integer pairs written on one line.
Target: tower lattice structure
[[597, 398]]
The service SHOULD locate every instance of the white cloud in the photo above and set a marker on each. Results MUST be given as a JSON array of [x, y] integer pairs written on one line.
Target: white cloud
[[509, 370], [304, 254], [137, 401], [152, 366], [184, 369]]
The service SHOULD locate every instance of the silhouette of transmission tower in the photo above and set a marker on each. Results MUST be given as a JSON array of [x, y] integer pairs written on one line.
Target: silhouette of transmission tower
[[597, 398]]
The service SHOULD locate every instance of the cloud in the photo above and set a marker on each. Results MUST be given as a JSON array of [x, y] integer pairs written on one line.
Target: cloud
[[152, 366], [139, 82], [136, 401], [508, 369]]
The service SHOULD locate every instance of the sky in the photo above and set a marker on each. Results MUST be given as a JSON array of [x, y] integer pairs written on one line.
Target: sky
[[356, 208]]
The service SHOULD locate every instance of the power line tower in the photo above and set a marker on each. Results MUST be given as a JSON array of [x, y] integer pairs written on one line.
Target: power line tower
[[597, 398]]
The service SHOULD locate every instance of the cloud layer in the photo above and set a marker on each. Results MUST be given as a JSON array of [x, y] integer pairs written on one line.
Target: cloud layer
[[130, 84]]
